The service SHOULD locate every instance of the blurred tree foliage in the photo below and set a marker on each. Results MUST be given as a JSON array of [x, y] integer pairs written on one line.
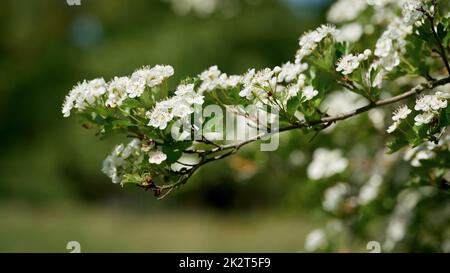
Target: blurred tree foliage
[[47, 46]]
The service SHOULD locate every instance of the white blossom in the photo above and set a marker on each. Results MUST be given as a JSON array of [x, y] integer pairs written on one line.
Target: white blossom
[[210, 79], [309, 92], [148, 76], [421, 155], [160, 116], [156, 157], [393, 127], [383, 47], [442, 95], [350, 32], [293, 89], [424, 118], [122, 156], [429, 103], [437, 103], [289, 71], [369, 190], [339, 102], [326, 163], [133, 147], [117, 91], [68, 104], [136, 85], [230, 81], [158, 74], [376, 116], [109, 167], [193, 98], [423, 104], [401, 113], [84, 94], [407, 200], [334, 196], [309, 41], [188, 94], [425, 151], [391, 61], [381, 3], [316, 240], [411, 12], [183, 89], [254, 83], [392, 43], [182, 110], [346, 10], [347, 64]]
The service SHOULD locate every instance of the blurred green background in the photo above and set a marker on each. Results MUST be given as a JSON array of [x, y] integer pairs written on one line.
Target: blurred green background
[[51, 188]]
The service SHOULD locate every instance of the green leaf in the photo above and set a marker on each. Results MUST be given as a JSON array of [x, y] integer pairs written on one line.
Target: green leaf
[[421, 131], [131, 178], [105, 111], [174, 150], [132, 103], [396, 144], [99, 120], [121, 123], [172, 154], [150, 132], [292, 105]]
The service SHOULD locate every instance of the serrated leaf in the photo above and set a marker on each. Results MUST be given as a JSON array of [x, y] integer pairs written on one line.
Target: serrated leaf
[[396, 144]]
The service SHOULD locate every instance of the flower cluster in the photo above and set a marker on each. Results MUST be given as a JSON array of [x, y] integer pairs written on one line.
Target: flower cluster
[[285, 81], [122, 157], [180, 106], [310, 40], [412, 11], [429, 106], [401, 113], [346, 10], [392, 43], [213, 78], [348, 63], [114, 93], [126, 159], [84, 94], [334, 196], [326, 163], [407, 200], [351, 32], [426, 151], [316, 241]]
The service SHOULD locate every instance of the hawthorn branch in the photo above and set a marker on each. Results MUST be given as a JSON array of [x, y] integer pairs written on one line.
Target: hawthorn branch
[[230, 149], [332, 119]]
